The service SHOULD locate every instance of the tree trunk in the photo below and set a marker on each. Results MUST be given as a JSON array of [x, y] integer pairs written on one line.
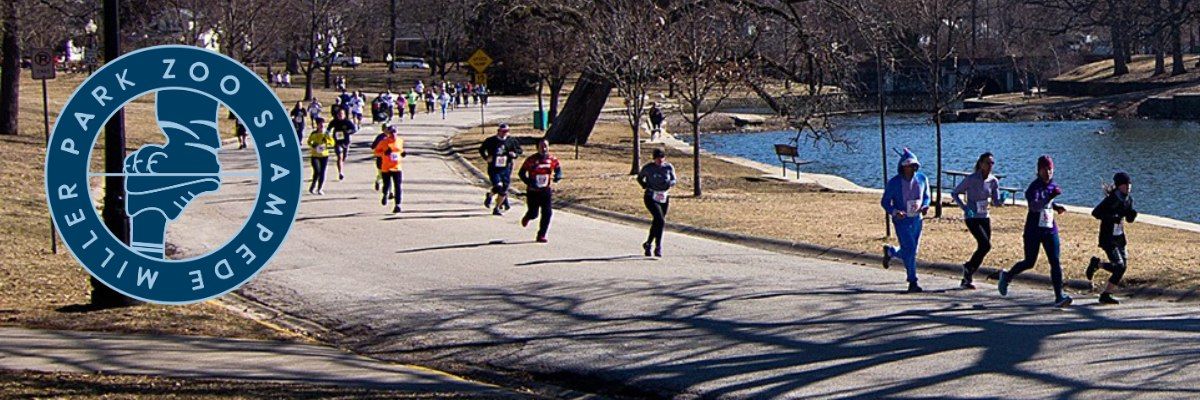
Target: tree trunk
[[541, 105], [1176, 37], [328, 69], [10, 75], [1120, 67], [1160, 54], [696, 189], [579, 114], [556, 85]]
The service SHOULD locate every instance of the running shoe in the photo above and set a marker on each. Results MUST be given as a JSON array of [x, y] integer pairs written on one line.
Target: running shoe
[[496, 211], [1092, 267], [1002, 283], [1065, 301], [311, 190], [914, 288], [487, 201], [321, 192], [383, 201], [965, 284], [376, 186], [1106, 298], [658, 251], [524, 221], [396, 210], [506, 206], [542, 239], [341, 176], [646, 246]]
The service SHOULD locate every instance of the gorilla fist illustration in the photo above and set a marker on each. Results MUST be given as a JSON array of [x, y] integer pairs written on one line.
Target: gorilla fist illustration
[[162, 180]]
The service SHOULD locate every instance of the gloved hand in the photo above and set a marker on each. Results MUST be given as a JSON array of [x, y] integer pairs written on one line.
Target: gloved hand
[[164, 179]]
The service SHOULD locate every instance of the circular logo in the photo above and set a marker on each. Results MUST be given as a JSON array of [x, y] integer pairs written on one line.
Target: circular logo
[[189, 85]]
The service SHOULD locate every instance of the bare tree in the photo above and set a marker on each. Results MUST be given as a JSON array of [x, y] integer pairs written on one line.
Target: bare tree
[[704, 65], [929, 34], [443, 28], [624, 49], [799, 64]]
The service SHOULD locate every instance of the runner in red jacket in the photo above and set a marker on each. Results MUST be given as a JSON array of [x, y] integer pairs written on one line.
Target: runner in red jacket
[[538, 172]]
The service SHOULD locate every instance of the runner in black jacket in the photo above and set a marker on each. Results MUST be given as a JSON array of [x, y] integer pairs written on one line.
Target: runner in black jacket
[[1113, 212]]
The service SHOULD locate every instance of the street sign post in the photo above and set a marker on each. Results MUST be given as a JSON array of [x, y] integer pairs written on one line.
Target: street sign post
[[43, 69], [480, 61]]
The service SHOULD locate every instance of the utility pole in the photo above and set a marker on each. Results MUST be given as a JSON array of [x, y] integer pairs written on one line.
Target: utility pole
[[114, 162]]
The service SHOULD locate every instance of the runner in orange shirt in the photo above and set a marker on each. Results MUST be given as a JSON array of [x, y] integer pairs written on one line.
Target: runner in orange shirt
[[390, 150]]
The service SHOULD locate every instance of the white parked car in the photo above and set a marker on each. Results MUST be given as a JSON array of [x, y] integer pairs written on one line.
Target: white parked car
[[410, 62], [346, 61]]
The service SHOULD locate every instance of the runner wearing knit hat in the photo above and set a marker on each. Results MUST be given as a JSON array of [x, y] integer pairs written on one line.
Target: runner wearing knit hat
[[1113, 212], [1041, 230]]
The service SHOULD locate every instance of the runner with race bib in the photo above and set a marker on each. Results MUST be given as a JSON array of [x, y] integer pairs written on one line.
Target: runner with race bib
[[499, 151], [342, 128], [1113, 212], [657, 178], [906, 199], [538, 172], [982, 190], [1041, 230], [390, 150]]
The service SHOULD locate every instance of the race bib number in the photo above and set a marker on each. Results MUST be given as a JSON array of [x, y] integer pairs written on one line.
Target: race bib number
[[914, 207], [981, 207], [298, 119], [338, 136], [501, 161], [395, 156], [1119, 229], [542, 181], [321, 149], [660, 196], [1046, 218]]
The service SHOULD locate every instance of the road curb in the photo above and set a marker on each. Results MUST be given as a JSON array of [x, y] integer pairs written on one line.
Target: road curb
[[822, 252]]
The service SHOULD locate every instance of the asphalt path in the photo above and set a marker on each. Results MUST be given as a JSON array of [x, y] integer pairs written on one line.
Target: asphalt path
[[447, 284]]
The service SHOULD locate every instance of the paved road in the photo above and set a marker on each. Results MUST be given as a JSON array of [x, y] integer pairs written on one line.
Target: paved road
[[205, 357], [446, 284]]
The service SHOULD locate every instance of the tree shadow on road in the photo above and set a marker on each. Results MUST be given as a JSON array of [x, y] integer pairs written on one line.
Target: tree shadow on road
[[725, 339], [464, 246]]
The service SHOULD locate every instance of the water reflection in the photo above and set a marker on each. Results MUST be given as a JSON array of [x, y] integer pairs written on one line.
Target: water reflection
[[1159, 154]]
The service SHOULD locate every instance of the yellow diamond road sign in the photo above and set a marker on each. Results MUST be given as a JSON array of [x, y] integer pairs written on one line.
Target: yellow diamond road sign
[[480, 60]]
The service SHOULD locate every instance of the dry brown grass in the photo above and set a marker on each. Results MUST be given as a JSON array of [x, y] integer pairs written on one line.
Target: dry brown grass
[[35, 284], [1140, 70], [23, 384], [737, 199]]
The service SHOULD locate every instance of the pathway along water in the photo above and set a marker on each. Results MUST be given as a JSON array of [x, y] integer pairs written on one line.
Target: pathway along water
[[1162, 156]]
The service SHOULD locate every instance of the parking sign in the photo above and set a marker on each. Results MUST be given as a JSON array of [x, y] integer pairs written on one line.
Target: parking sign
[[43, 64]]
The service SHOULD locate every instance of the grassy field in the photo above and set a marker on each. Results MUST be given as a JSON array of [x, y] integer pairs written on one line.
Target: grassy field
[[37, 288], [738, 199], [35, 385], [1140, 70]]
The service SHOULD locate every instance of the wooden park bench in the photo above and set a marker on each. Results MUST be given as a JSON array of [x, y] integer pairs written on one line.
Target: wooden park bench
[[789, 154]]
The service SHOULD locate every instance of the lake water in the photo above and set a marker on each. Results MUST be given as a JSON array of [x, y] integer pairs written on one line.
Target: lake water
[[1160, 155]]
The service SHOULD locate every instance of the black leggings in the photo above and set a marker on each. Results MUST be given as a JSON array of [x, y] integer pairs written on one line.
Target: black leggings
[[318, 167], [981, 230], [658, 211], [1117, 259], [539, 201], [393, 178]]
